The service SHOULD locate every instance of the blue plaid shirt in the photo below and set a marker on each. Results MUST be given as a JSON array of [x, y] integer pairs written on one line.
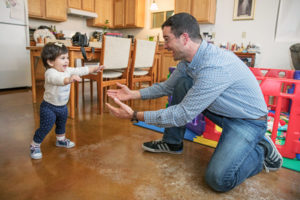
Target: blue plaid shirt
[[222, 83]]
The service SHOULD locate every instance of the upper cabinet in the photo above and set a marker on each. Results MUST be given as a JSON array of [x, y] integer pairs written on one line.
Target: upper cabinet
[[104, 9], [55, 10], [119, 13], [129, 13], [87, 5], [135, 13], [203, 10]]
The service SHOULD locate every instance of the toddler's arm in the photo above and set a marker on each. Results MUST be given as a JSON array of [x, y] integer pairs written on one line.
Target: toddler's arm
[[71, 79]]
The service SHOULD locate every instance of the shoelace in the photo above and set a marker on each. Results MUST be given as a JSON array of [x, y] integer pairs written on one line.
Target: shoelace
[[266, 168]]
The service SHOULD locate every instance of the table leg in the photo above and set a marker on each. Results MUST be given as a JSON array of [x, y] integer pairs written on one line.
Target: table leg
[[33, 87], [72, 92]]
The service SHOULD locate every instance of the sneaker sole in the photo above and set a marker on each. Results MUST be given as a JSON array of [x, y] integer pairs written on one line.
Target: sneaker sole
[[36, 157], [58, 145], [160, 151], [276, 150]]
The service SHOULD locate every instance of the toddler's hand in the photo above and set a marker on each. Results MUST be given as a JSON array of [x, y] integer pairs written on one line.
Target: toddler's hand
[[99, 68], [74, 78]]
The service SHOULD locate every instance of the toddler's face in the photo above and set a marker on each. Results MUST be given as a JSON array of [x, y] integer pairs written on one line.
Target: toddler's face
[[61, 62]]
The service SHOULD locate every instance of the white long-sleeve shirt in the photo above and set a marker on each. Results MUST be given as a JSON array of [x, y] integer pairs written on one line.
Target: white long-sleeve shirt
[[56, 92]]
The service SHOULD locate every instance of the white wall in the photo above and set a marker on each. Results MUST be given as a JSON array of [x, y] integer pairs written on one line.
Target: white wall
[[259, 31]]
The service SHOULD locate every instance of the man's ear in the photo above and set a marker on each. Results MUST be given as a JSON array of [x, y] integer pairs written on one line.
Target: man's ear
[[50, 63], [186, 37]]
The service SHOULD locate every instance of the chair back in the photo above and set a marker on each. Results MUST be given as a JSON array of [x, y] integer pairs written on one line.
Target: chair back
[[144, 53], [115, 52]]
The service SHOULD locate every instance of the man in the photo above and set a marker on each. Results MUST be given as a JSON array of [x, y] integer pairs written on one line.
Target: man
[[218, 84]]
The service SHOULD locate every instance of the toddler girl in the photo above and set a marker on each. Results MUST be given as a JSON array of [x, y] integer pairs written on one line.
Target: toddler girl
[[53, 109]]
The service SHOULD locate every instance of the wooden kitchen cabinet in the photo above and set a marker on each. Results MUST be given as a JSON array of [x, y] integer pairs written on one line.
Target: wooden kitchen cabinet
[[203, 10], [129, 13], [119, 13], [104, 9], [36, 8], [87, 5], [74, 4], [166, 61], [55, 10], [135, 13]]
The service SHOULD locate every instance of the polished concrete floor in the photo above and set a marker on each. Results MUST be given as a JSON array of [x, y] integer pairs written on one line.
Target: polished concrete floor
[[108, 161]]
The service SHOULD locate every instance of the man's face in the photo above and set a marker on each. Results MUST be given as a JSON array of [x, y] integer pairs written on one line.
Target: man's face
[[173, 44]]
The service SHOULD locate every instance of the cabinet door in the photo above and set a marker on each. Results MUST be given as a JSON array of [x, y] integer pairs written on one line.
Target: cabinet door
[[204, 10], [56, 10], [134, 13], [182, 6], [119, 8], [104, 9], [88, 5], [74, 4], [36, 8], [167, 61], [130, 12]]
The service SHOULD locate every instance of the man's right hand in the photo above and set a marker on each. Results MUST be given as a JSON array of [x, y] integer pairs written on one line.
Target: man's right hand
[[124, 93]]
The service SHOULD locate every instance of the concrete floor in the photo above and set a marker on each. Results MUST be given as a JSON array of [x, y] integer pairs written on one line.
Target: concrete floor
[[108, 161]]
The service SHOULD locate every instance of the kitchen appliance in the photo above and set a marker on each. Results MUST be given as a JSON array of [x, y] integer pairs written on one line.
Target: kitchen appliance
[[14, 37]]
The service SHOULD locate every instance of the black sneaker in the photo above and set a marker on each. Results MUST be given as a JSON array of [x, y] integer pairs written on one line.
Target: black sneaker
[[159, 146], [273, 159]]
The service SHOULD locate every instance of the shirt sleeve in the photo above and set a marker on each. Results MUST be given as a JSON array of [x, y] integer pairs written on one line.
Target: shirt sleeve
[[80, 71], [164, 88], [209, 84], [54, 77]]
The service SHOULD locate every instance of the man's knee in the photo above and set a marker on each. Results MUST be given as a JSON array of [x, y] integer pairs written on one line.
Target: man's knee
[[218, 181]]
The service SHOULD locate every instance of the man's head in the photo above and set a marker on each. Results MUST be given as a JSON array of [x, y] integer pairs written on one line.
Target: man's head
[[182, 36], [184, 23]]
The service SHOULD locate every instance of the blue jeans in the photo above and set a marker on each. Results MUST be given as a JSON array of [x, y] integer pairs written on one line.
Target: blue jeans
[[50, 115], [237, 155]]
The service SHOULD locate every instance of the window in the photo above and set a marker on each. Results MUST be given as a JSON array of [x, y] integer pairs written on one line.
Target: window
[[158, 18]]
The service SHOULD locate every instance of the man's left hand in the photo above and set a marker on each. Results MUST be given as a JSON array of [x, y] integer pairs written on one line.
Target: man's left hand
[[123, 111]]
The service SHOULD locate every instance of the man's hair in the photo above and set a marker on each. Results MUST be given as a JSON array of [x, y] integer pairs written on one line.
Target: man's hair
[[51, 51], [184, 23]]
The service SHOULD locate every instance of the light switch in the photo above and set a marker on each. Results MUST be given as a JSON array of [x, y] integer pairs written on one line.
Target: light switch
[[243, 35]]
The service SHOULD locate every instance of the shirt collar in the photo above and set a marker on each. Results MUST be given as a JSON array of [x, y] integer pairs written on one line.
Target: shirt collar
[[197, 59]]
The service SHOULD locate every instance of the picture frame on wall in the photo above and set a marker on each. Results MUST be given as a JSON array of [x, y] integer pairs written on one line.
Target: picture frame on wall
[[244, 9]]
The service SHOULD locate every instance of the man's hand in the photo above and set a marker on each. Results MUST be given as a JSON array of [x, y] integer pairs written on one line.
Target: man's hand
[[123, 111], [123, 94]]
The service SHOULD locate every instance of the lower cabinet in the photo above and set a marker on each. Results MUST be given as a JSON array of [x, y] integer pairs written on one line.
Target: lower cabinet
[[167, 60]]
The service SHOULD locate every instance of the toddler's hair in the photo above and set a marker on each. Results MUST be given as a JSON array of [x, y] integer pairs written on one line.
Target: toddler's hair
[[51, 51]]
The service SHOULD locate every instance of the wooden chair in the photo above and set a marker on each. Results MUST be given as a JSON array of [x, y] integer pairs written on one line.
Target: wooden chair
[[115, 57], [142, 68]]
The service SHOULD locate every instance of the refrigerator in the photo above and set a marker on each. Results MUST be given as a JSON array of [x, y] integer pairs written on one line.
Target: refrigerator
[[14, 38]]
